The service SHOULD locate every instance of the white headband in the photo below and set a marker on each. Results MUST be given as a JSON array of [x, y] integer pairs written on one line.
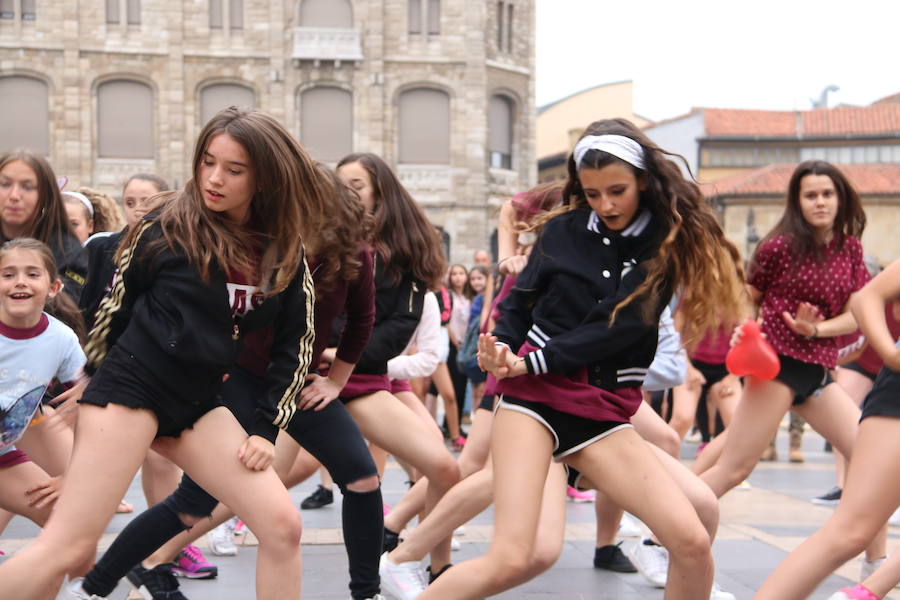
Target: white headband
[[619, 146], [84, 200]]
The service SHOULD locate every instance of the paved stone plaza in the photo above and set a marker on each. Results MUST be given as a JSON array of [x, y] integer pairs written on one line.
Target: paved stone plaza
[[758, 527]]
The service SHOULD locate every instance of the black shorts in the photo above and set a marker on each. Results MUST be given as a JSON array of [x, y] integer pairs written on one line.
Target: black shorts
[[570, 433], [122, 380], [487, 402], [855, 366], [884, 398], [713, 373], [804, 379]]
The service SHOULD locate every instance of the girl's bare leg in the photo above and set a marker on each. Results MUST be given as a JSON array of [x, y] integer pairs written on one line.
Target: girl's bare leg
[[871, 495], [159, 477], [684, 409], [521, 449], [388, 423], [857, 386], [471, 460], [755, 422], [209, 455], [444, 385], [834, 415], [110, 445], [634, 478]]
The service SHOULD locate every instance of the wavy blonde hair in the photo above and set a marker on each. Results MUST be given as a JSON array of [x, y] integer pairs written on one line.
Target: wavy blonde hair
[[107, 216]]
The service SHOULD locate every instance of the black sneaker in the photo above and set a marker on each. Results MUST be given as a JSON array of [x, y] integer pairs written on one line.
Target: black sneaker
[[829, 498], [319, 498], [157, 583], [390, 540], [612, 558], [433, 576]]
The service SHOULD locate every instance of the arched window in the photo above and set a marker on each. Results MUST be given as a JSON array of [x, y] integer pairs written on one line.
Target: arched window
[[125, 120], [24, 120], [500, 132], [326, 13], [424, 126], [326, 122], [217, 96]]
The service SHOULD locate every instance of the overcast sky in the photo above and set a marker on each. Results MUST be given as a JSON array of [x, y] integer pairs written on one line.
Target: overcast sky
[[769, 54]]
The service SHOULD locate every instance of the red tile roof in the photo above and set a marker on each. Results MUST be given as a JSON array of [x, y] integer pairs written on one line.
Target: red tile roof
[[869, 180], [823, 122]]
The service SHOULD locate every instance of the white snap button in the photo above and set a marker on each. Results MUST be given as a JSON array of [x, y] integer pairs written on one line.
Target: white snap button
[[606, 274], [606, 241]]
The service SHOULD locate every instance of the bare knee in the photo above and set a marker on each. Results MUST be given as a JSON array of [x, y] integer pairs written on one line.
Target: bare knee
[[691, 546], [446, 473], [284, 531], [544, 557], [707, 507], [511, 565], [366, 484], [668, 441]]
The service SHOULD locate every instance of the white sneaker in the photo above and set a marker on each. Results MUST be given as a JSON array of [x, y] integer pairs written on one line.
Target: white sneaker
[[404, 581], [375, 597], [868, 567], [629, 527], [718, 593], [455, 546], [221, 540], [461, 530], [77, 592], [651, 561]]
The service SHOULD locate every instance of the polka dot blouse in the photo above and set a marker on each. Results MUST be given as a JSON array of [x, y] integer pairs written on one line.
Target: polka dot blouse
[[786, 280]]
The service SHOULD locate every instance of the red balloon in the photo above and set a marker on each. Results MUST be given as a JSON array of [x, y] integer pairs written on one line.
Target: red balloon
[[753, 355]]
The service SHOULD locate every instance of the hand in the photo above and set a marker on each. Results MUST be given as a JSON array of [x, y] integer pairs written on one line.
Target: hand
[[256, 453], [513, 265], [728, 385], [498, 360], [808, 316], [694, 379], [738, 334], [65, 405], [319, 393], [44, 494]]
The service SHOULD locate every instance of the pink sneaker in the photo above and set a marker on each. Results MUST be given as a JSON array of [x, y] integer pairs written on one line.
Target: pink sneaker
[[240, 528], [857, 592], [191, 563], [386, 508], [576, 496]]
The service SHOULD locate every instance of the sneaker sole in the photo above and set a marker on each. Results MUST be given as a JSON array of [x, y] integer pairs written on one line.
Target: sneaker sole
[[195, 575], [821, 502]]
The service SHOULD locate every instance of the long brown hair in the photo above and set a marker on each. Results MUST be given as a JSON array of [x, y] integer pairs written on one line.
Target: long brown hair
[[694, 259], [403, 237], [850, 218], [290, 199], [61, 305], [50, 222], [344, 231]]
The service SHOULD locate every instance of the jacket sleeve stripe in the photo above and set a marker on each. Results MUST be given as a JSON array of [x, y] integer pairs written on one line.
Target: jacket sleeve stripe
[[98, 342], [287, 405]]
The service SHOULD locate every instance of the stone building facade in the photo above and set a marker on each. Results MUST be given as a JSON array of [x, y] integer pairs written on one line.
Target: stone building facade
[[443, 89]]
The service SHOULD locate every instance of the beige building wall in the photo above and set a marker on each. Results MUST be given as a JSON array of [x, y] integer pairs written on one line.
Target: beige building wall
[[879, 238], [72, 48], [556, 123]]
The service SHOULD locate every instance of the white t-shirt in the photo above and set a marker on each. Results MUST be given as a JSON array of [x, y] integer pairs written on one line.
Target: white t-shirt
[[29, 360]]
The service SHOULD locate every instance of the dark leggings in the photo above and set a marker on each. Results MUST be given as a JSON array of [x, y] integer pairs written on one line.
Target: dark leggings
[[460, 381], [330, 435]]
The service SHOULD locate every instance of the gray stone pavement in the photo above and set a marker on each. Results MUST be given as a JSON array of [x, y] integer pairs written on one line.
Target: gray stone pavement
[[758, 527]]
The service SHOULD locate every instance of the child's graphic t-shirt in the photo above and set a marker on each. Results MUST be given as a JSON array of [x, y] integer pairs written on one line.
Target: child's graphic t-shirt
[[29, 360]]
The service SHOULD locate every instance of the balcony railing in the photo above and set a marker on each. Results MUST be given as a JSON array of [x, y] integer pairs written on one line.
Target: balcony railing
[[327, 43]]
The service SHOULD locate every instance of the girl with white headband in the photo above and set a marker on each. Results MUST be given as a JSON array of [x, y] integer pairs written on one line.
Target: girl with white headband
[[573, 346]]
